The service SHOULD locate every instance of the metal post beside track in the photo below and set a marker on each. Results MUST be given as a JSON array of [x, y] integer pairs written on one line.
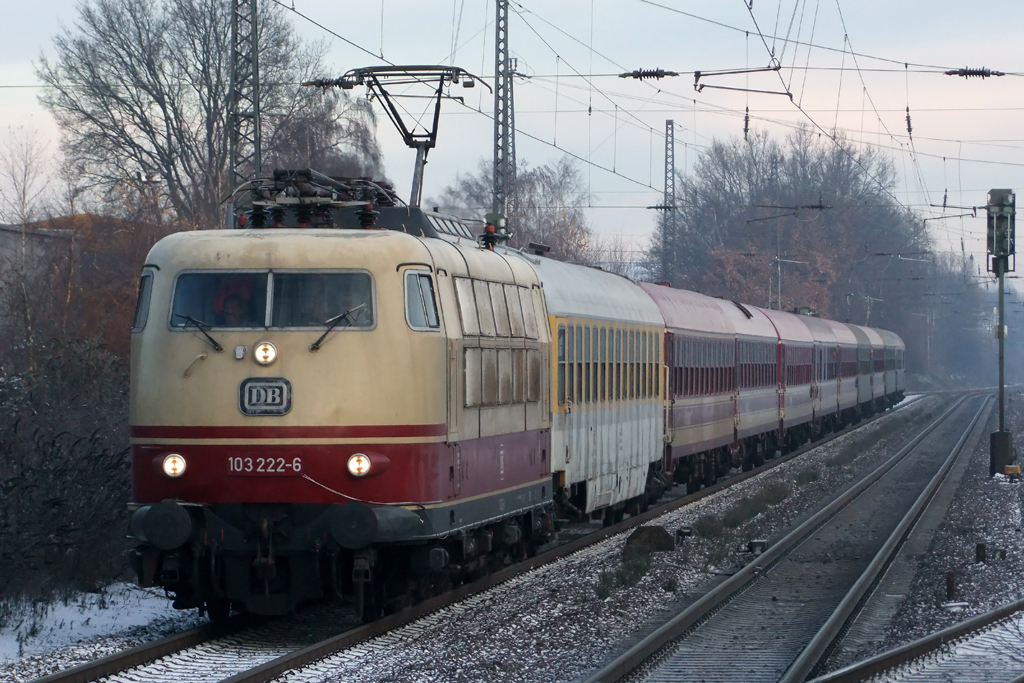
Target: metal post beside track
[[1001, 223]]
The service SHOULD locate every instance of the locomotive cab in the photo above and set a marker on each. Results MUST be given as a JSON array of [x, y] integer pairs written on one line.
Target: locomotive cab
[[333, 412], [278, 377]]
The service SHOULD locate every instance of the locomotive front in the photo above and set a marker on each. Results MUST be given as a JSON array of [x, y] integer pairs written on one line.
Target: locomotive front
[[288, 411]]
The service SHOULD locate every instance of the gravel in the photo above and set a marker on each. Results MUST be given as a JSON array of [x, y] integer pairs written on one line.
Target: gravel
[[42, 638], [983, 510], [563, 620]]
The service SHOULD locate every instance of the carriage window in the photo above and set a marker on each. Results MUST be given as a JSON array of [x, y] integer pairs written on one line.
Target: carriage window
[[474, 371], [515, 311], [489, 376], [484, 309], [142, 303], [561, 365], [657, 366], [506, 376], [519, 375], [467, 306], [501, 325], [587, 387], [529, 316], [316, 299], [644, 393], [420, 307], [534, 371], [618, 365], [579, 365], [221, 300], [604, 364], [571, 360]]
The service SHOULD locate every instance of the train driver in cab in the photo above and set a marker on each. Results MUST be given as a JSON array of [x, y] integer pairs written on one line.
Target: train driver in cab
[[355, 300], [231, 304]]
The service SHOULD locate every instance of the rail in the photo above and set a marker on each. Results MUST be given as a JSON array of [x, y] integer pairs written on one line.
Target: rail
[[658, 642], [148, 652]]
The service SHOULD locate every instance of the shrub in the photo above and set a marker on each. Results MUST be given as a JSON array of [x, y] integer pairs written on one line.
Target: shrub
[[807, 476], [743, 510], [774, 493], [708, 526], [635, 565], [64, 470]]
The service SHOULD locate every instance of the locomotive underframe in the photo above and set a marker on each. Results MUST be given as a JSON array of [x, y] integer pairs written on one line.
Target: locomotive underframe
[[269, 559]]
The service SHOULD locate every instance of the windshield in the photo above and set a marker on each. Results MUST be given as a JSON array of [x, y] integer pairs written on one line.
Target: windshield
[[221, 299], [311, 299], [239, 299]]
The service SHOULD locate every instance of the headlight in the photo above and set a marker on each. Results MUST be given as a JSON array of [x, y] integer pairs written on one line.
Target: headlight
[[359, 465], [174, 465], [265, 353]]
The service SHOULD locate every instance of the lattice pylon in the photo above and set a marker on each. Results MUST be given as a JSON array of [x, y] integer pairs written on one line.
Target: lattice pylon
[[504, 189], [670, 239], [244, 153]]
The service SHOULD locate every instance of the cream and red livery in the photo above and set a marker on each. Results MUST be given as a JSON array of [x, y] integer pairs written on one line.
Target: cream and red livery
[[379, 412]]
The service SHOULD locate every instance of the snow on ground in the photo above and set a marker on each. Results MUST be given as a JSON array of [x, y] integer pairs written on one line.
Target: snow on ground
[[564, 619], [549, 612], [38, 638], [983, 510]]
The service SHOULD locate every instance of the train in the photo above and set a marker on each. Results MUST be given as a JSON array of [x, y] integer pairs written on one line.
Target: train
[[346, 397]]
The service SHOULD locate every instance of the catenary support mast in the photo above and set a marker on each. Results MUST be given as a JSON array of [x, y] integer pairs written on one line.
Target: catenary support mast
[[244, 154], [504, 191], [669, 237]]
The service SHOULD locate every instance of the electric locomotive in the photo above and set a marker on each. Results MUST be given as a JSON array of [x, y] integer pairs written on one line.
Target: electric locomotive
[[358, 399], [309, 418]]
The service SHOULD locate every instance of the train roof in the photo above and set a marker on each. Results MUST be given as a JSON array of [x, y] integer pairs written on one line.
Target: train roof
[[257, 248], [791, 327], [467, 258], [842, 331], [572, 290], [820, 330], [890, 339], [870, 334], [689, 311]]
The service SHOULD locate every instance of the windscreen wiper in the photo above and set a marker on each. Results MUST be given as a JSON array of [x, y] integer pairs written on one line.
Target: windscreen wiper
[[201, 326], [332, 323]]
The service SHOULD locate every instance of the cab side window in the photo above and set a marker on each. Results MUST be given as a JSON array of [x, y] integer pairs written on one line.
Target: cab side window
[[142, 303], [420, 305]]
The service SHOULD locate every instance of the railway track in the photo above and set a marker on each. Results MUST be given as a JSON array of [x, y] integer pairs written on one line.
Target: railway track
[[779, 618], [973, 651], [243, 652]]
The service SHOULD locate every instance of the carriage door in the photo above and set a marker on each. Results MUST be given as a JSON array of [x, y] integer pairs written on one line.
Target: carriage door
[[837, 370], [570, 397], [817, 363]]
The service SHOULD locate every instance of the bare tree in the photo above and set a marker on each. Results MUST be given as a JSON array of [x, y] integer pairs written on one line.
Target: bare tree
[[865, 259], [25, 166], [550, 206], [24, 183], [139, 91], [618, 255]]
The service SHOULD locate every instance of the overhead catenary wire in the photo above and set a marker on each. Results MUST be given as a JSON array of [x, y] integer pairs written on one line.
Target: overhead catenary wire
[[832, 137], [589, 162], [828, 48]]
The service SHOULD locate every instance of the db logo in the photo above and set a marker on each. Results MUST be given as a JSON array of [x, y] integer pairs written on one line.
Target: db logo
[[265, 396]]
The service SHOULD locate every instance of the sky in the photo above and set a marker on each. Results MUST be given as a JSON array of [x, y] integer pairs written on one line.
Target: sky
[[851, 67]]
